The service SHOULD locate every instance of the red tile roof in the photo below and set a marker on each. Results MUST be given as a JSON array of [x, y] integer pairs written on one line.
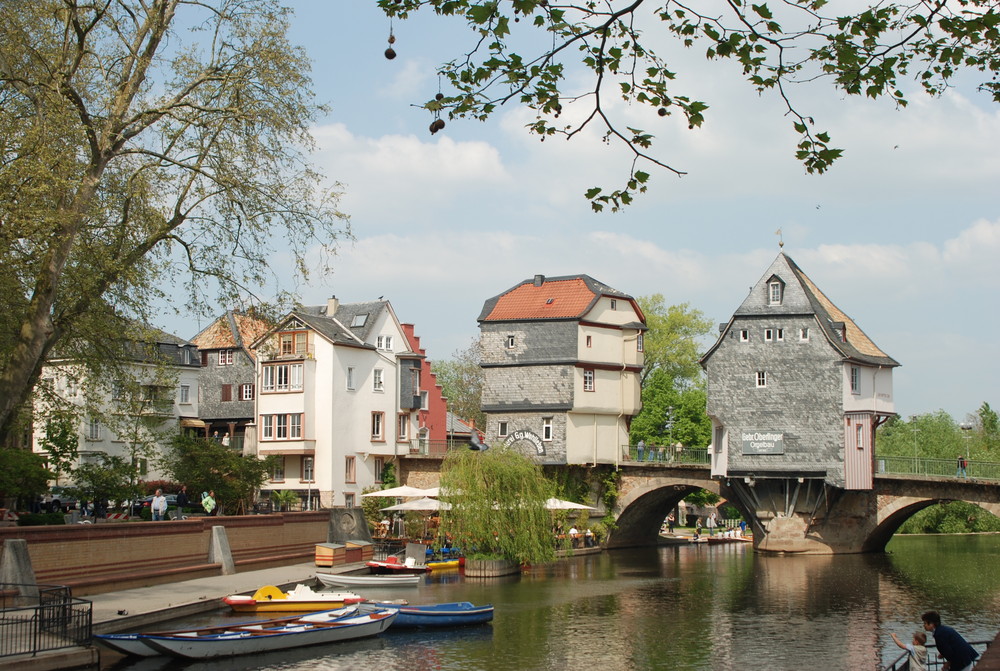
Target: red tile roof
[[554, 299]]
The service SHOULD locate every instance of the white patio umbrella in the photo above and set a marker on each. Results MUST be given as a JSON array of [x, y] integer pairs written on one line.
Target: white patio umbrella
[[404, 491], [425, 504], [560, 504]]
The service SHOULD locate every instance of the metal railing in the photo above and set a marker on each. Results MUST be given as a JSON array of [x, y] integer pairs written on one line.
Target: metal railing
[[940, 468], [665, 454], [902, 663], [35, 618]]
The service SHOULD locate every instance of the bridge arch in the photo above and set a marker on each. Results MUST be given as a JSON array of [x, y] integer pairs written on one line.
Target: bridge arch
[[893, 511], [646, 497]]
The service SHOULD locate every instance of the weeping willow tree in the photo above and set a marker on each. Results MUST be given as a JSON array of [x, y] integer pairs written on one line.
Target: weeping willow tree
[[498, 511]]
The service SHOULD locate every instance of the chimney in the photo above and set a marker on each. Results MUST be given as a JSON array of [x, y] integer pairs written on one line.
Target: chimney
[[539, 280], [331, 306]]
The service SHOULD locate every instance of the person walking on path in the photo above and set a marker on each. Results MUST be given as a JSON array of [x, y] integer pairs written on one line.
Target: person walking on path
[[917, 650], [959, 655], [963, 465], [208, 502], [159, 506]]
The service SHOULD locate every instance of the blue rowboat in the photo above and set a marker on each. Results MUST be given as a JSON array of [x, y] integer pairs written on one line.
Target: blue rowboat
[[455, 614]]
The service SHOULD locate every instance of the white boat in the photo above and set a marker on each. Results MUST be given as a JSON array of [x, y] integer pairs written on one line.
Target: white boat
[[127, 644], [261, 637], [270, 599], [346, 580]]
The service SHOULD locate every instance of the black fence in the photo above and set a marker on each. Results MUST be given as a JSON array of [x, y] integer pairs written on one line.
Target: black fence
[[34, 618], [902, 663]]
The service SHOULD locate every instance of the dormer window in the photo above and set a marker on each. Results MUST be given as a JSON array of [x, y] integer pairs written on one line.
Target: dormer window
[[359, 320], [774, 291], [614, 304], [510, 342]]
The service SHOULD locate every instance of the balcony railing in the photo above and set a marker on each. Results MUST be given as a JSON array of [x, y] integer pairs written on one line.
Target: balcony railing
[[666, 454], [34, 618]]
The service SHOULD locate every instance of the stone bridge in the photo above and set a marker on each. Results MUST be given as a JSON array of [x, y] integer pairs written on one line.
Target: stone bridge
[[790, 515]]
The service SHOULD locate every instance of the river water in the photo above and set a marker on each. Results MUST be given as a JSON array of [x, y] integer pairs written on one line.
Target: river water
[[693, 607]]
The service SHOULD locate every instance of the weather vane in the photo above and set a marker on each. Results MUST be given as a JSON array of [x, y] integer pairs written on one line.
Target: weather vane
[[781, 242]]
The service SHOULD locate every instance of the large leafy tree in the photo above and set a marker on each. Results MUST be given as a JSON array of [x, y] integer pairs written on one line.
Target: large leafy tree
[[672, 344], [548, 55], [142, 142], [461, 380]]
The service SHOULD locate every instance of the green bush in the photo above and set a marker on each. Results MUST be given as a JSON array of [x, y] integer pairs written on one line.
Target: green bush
[[40, 519]]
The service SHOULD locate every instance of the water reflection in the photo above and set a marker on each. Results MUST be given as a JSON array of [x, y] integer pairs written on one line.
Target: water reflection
[[685, 607]]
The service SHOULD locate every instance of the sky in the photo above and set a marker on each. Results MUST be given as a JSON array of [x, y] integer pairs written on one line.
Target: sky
[[902, 234]]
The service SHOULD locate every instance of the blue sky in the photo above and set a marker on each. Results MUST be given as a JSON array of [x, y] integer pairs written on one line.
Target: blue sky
[[903, 234]]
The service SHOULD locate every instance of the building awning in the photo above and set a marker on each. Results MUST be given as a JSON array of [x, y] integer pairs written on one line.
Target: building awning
[[190, 423]]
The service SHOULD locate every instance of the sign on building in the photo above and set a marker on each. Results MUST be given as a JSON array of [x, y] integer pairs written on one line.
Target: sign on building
[[763, 442]]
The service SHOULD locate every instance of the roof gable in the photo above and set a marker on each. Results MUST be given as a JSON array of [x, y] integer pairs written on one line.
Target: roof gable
[[569, 297]]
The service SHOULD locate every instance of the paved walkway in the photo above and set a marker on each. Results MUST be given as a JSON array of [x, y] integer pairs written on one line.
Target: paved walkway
[[140, 608]]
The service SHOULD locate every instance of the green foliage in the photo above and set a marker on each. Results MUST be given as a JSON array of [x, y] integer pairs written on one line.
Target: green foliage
[[609, 497], [956, 517], [461, 380], [546, 55], [284, 499], [22, 474], [205, 465], [110, 479], [702, 498], [139, 139], [498, 508], [672, 344], [40, 519], [670, 415], [373, 505], [934, 435], [61, 441]]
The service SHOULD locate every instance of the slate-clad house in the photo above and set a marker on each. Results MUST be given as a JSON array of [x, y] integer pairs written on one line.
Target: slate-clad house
[[227, 385], [339, 395], [562, 358], [795, 387]]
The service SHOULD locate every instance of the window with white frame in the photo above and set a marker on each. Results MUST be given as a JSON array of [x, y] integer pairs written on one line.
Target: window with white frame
[[860, 435], [804, 333], [424, 400], [185, 393], [246, 392], [510, 342], [415, 380], [744, 335], [855, 380], [402, 425], [308, 472], [768, 335], [359, 320], [590, 341], [350, 378], [349, 469], [774, 293], [546, 428], [281, 426], [94, 429], [278, 474], [378, 383], [225, 357], [761, 378], [282, 377], [384, 343], [378, 426], [614, 304], [502, 429], [379, 467], [640, 342], [588, 379], [349, 500], [779, 334]]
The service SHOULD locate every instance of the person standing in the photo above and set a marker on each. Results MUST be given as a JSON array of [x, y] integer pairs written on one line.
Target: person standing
[[159, 506], [182, 499], [641, 449], [963, 465], [225, 439], [208, 502], [959, 655], [711, 524], [670, 523]]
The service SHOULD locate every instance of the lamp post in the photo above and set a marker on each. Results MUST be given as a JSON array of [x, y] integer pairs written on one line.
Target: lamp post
[[913, 424]]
